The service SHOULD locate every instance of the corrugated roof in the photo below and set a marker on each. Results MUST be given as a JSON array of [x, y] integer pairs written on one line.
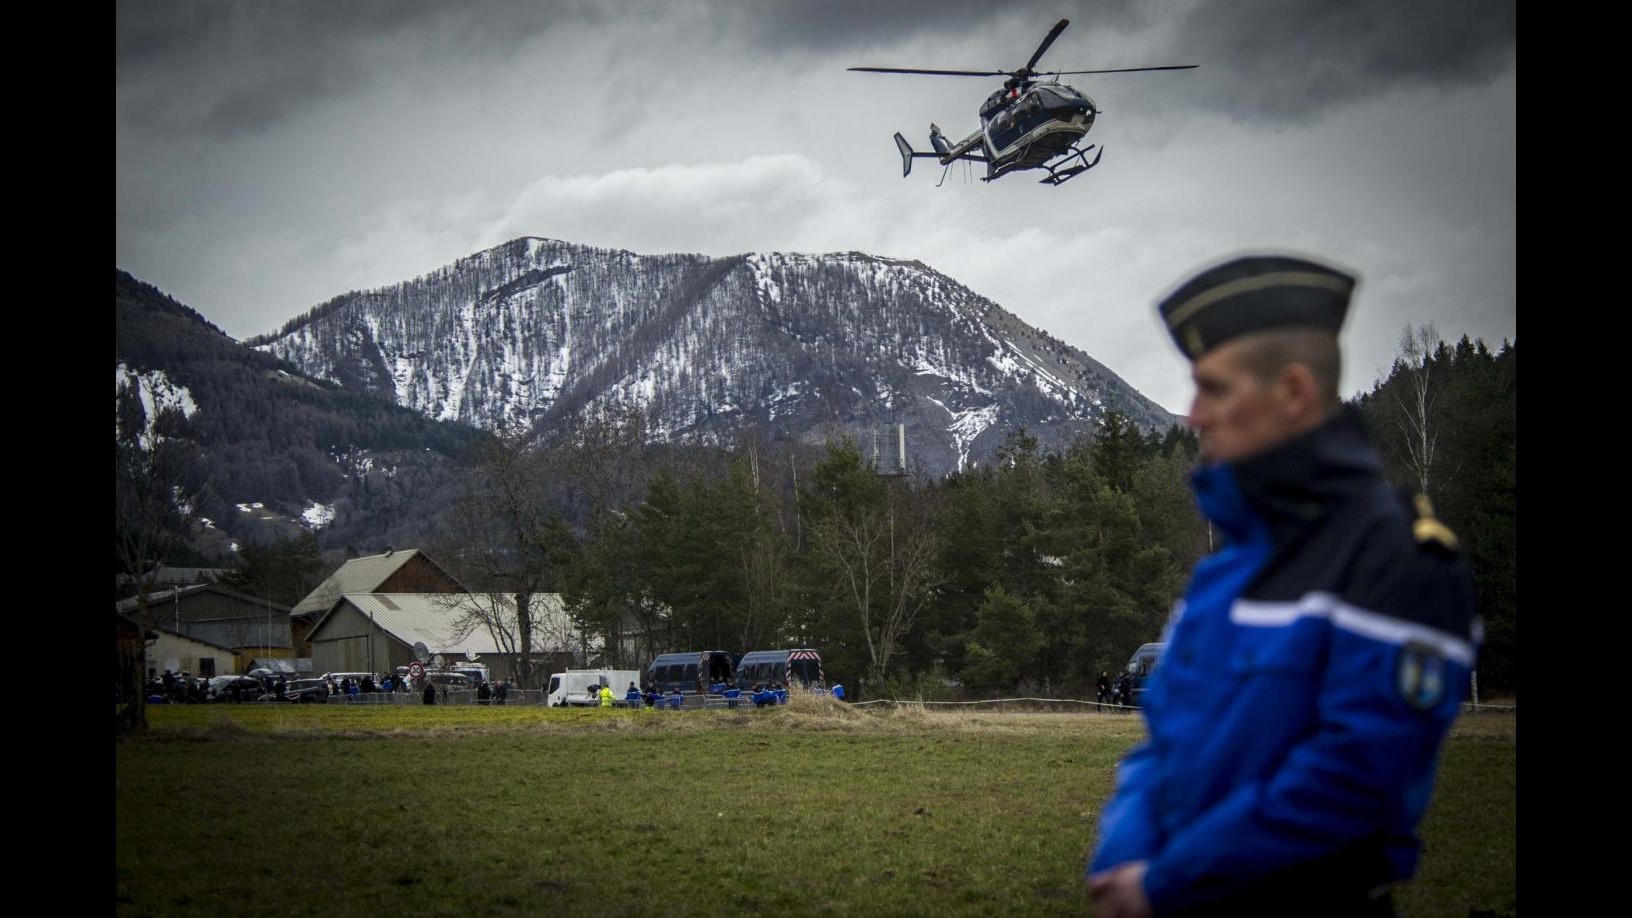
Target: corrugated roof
[[241, 632], [433, 618], [359, 575], [158, 597], [293, 667], [188, 575], [197, 639]]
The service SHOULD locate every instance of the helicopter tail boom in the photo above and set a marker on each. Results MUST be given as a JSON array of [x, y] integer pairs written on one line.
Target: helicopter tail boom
[[908, 153]]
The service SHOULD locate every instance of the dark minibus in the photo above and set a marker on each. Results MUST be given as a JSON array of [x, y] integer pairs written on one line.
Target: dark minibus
[[800, 664], [1140, 666], [692, 672]]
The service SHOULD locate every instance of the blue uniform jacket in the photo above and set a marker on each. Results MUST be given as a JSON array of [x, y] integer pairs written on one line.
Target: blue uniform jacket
[[1311, 671]]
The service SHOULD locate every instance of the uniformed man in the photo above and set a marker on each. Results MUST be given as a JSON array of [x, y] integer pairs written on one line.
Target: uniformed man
[[1315, 661]]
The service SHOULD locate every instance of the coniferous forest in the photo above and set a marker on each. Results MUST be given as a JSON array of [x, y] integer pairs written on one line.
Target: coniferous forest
[[1445, 422], [1030, 574], [1033, 572]]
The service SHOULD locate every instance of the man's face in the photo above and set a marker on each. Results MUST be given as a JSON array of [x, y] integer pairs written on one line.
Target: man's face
[[1236, 414]]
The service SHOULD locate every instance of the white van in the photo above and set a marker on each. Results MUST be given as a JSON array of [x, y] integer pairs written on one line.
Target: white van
[[582, 687], [476, 672]]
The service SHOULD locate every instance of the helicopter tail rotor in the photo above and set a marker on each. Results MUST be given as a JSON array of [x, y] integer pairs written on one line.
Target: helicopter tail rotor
[[908, 154]]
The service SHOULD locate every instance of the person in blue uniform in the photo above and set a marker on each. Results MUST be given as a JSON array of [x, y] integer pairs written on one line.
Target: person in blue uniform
[[763, 696], [1315, 661]]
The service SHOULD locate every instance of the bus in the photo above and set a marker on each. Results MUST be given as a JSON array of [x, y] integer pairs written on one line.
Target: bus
[[801, 664]]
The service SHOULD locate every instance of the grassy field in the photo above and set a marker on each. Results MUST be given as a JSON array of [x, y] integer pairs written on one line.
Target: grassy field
[[251, 810]]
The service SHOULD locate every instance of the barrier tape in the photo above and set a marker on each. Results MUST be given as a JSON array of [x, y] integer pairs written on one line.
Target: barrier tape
[[1466, 705]]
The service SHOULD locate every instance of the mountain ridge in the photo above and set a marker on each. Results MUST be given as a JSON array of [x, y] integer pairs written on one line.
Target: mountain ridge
[[535, 331]]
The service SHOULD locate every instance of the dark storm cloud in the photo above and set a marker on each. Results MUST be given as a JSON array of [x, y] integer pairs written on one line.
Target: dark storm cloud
[[1290, 59], [238, 67], [803, 26]]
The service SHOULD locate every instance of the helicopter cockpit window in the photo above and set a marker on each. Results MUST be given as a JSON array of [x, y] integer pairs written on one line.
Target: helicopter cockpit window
[[1062, 101], [1030, 114], [1009, 126], [1052, 93]]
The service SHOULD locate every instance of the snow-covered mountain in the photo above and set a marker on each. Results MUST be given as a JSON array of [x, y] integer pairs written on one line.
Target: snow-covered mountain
[[277, 453], [535, 331]]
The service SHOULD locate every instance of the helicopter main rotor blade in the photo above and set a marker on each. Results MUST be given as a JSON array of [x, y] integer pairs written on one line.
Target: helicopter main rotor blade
[[1119, 70], [979, 73], [1052, 34]]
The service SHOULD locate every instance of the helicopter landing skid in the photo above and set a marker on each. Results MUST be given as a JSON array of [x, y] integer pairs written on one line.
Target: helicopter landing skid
[[1059, 174]]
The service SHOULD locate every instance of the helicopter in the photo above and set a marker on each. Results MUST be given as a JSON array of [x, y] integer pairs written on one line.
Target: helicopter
[[1028, 124]]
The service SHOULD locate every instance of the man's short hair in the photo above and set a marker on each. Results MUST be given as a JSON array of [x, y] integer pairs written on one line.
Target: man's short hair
[[1266, 353]]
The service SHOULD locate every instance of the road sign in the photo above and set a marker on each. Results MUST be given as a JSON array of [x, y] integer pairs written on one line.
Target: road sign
[[416, 670]]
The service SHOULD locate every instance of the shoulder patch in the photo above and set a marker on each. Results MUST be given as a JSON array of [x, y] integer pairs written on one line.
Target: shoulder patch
[[1428, 529], [1420, 676]]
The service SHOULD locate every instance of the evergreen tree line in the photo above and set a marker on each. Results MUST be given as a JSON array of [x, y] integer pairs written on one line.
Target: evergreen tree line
[[1033, 573], [1445, 422]]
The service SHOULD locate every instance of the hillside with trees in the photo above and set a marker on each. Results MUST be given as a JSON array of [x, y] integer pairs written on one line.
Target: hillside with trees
[[1445, 420], [267, 435], [1032, 570], [1030, 573]]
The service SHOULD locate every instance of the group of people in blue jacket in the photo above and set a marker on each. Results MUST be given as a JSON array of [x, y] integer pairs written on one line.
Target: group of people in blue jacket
[[763, 694]]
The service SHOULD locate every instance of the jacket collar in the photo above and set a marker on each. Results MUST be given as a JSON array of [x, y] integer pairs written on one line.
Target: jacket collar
[[1295, 483]]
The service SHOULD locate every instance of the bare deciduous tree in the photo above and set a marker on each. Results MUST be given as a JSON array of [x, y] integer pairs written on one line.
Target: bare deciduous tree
[[152, 503], [501, 538], [549, 629], [1416, 416], [883, 551]]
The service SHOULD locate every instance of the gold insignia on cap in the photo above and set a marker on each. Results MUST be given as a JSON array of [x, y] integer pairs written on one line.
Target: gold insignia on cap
[[1193, 342], [1428, 528], [1339, 285]]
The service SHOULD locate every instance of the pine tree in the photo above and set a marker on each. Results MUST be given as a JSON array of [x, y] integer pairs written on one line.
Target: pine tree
[[1004, 643]]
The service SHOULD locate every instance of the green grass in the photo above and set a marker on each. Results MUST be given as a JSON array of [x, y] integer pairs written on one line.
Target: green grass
[[336, 810]]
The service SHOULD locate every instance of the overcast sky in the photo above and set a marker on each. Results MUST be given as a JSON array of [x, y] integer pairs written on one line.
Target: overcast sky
[[273, 155]]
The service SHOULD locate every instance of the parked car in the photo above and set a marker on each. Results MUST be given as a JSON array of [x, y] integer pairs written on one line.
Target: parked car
[[301, 691], [476, 672], [450, 681], [235, 688], [337, 678]]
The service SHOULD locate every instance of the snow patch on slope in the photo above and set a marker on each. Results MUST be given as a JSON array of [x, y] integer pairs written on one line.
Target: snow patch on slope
[[157, 393], [966, 426], [317, 515]]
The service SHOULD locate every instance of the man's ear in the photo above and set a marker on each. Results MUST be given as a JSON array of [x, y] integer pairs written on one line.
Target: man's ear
[[1297, 393]]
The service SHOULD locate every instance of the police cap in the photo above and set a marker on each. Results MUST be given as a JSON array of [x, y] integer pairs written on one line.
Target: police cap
[[1251, 294]]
